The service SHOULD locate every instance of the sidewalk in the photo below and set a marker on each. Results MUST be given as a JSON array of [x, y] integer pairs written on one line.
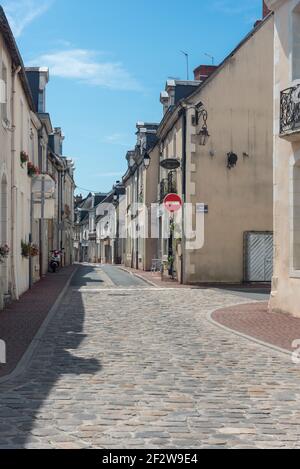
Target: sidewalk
[[21, 320], [154, 278], [255, 321]]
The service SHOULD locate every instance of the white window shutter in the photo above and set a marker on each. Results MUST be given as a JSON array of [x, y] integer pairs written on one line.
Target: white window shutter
[[2, 92]]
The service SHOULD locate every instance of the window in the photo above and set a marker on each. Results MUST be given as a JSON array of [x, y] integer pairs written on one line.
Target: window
[[22, 221], [21, 117], [41, 104], [296, 217], [296, 43], [4, 92], [3, 211]]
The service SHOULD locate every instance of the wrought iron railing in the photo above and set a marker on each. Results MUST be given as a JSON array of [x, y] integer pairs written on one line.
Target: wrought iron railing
[[168, 185], [290, 110]]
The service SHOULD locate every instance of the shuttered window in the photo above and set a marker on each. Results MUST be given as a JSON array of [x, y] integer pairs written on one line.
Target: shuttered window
[[3, 92]]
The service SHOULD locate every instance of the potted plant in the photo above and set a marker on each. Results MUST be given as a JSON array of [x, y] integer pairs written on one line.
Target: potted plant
[[4, 251], [29, 250], [32, 170], [171, 261], [34, 250], [25, 249], [24, 158]]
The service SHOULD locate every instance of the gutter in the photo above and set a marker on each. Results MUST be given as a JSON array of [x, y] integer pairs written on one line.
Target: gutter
[[11, 44], [15, 290]]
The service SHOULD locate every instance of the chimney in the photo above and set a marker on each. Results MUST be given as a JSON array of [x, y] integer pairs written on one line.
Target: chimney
[[202, 72], [266, 10]]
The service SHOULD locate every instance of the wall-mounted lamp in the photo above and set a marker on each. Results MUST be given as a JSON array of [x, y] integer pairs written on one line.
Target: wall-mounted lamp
[[147, 160], [232, 160], [203, 134]]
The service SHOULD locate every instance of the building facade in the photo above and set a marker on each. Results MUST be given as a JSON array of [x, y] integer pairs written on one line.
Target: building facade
[[86, 243], [285, 296], [19, 128], [221, 138], [56, 217], [140, 187], [28, 179]]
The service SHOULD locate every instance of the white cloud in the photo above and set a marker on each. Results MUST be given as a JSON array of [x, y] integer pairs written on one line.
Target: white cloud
[[232, 7], [117, 139], [20, 13], [83, 65]]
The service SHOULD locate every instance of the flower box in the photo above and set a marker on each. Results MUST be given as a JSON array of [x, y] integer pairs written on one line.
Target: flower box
[[29, 250], [24, 158], [32, 170]]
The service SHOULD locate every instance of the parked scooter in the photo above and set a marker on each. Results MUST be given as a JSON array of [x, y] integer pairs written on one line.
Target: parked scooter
[[55, 260]]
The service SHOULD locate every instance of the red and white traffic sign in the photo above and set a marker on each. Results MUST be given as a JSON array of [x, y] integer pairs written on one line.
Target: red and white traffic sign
[[173, 203]]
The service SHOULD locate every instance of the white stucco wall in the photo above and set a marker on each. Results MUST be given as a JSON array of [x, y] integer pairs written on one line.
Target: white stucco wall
[[285, 295]]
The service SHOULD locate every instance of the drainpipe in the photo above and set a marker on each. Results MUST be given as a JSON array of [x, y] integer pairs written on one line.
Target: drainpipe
[[30, 235], [14, 286], [137, 232], [182, 112]]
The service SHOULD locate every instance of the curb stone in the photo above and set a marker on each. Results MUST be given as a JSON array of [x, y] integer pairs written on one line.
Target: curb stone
[[139, 276], [26, 358], [279, 350]]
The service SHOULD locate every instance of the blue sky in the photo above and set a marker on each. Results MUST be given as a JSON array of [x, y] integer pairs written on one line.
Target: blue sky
[[109, 61]]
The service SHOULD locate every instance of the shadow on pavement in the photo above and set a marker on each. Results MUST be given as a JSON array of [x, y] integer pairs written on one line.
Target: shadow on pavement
[[86, 276], [251, 291], [22, 400]]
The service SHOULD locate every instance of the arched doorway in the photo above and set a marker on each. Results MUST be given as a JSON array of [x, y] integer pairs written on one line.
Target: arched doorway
[[4, 232]]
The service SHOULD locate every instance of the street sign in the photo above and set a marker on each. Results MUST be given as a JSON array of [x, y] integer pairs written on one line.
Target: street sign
[[201, 208], [173, 203]]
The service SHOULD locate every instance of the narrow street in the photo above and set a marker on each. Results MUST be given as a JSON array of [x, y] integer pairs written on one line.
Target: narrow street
[[127, 365]]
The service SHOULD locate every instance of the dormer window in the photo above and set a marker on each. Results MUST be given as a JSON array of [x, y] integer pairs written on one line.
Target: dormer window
[[165, 101], [41, 104]]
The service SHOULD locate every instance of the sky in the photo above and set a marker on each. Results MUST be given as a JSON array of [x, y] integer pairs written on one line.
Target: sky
[[109, 61]]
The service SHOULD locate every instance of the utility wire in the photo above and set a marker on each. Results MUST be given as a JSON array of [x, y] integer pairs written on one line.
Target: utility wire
[[86, 190]]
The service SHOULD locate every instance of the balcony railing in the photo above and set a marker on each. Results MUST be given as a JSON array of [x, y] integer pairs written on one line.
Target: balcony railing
[[290, 110], [168, 186]]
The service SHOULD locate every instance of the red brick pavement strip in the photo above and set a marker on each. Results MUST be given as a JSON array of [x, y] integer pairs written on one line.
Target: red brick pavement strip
[[21, 320], [254, 320]]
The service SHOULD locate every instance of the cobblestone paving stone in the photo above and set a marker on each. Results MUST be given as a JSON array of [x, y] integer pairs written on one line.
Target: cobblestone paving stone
[[145, 369]]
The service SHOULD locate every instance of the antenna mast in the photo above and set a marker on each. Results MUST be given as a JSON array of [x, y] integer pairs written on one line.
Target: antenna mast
[[211, 57], [187, 64]]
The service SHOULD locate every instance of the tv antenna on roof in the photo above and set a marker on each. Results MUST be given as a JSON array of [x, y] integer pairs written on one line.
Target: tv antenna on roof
[[211, 57], [187, 64]]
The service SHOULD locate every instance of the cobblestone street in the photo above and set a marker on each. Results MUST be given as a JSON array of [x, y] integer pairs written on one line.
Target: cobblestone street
[[126, 365]]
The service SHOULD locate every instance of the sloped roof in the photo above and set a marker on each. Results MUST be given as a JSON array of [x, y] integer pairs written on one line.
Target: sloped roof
[[15, 55]]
